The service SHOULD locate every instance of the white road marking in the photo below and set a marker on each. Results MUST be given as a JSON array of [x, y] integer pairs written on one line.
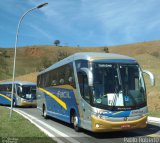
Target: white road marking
[[61, 134], [153, 120], [41, 128], [31, 118], [154, 135]]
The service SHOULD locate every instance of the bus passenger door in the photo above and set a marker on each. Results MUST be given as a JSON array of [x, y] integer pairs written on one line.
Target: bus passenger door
[[85, 100]]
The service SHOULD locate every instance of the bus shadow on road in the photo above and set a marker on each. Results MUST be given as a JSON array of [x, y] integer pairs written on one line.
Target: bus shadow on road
[[58, 121], [149, 130]]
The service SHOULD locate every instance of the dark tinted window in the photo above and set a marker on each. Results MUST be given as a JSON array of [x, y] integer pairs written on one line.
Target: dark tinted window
[[81, 64], [63, 75], [6, 87]]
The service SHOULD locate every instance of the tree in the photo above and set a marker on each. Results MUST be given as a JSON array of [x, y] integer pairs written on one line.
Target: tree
[[106, 50], [56, 42]]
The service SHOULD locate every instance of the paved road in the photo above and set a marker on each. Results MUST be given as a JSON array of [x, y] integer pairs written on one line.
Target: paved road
[[87, 137]]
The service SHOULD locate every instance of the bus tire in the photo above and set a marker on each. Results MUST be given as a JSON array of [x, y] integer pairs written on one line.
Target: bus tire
[[14, 103], [44, 111], [74, 121]]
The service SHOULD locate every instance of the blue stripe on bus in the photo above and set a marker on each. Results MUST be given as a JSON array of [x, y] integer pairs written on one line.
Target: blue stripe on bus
[[55, 109], [5, 98], [4, 101]]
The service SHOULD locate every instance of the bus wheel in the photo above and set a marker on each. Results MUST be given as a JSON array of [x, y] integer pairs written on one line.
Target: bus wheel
[[44, 112], [75, 122], [14, 103]]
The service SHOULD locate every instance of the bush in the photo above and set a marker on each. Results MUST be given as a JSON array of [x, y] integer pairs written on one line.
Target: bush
[[44, 63], [61, 55], [155, 54]]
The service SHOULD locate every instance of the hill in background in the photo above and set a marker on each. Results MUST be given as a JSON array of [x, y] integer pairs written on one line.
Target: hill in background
[[31, 59]]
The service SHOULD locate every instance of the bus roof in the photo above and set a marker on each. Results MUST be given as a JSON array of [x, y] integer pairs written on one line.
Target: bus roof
[[90, 56], [18, 82]]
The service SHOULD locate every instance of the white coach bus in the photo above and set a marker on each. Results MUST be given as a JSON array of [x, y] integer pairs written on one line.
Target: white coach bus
[[24, 93], [96, 91]]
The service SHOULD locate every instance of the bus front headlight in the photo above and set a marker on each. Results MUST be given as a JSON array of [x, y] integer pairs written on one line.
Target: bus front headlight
[[96, 114], [99, 115]]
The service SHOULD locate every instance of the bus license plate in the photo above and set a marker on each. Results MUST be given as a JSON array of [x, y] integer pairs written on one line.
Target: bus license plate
[[126, 126]]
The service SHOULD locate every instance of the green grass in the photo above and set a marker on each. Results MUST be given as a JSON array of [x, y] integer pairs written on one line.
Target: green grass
[[154, 114], [20, 129]]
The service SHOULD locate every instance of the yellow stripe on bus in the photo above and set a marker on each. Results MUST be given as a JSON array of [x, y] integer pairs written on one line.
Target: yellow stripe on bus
[[65, 87], [63, 104], [5, 97]]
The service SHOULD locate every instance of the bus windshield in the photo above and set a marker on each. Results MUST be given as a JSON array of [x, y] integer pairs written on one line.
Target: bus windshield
[[28, 92], [118, 86]]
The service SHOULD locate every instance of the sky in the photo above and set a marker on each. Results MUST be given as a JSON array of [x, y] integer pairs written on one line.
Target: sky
[[84, 23]]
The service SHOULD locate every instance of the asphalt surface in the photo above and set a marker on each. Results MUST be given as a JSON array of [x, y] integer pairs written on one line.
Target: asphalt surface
[[150, 134]]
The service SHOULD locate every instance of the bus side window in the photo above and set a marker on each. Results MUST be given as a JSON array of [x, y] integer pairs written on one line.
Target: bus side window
[[54, 83], [61, 81], [83, 85], [2, 88], [70, 80], [19, 90], [69, 75], [8, 88]]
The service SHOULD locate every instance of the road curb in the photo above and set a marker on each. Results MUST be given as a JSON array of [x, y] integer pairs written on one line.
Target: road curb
[[153, 120]]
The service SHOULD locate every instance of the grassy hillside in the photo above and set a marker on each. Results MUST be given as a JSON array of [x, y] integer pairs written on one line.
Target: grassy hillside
[[30, 59]]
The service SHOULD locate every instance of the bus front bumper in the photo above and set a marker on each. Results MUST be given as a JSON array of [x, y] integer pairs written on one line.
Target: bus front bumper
[[28, 104], [100, 125]]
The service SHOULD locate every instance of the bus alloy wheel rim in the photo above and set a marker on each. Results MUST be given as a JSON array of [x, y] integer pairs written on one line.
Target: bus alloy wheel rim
[[75, 121], [45, 112]]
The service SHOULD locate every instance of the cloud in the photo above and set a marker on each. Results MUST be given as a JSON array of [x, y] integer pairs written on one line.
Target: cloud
[[86, 22], [40, 31], [127, 19]]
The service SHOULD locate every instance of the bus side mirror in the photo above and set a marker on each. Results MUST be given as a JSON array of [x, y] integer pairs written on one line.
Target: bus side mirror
[[152, 78], [89, 75]]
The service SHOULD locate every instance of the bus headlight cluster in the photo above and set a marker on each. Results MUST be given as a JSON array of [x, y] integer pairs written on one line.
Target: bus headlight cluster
[[96, 114], [98, 125]]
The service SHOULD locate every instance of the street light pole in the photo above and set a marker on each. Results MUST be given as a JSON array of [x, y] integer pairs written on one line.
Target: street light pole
[[15, 50]]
